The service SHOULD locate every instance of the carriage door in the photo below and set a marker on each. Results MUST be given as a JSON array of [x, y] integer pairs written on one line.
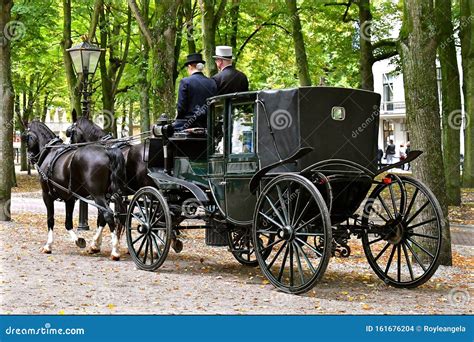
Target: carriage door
[[216, 152], [241, 162]]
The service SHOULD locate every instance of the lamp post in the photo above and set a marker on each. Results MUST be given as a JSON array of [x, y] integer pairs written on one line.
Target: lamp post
[[85, 58]]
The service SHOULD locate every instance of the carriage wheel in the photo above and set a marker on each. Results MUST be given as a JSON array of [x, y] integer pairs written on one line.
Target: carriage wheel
[[403, 240], [148, 229], [241, 246], [292, 222]]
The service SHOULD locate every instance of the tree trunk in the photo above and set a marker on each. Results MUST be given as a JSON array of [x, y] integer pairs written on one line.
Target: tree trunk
[[208, 34], [467, 51], [164, 36], [45, 107], [366, 58], [418, 55], [143, 78], [234, 20], [188, 15], [130, 118], [66, 43], [451, 102], [177, 47], [298, 40], [6, 116]]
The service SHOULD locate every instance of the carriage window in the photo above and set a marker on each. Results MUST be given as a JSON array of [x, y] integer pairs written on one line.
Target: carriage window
[[218, 128], [242, 129]]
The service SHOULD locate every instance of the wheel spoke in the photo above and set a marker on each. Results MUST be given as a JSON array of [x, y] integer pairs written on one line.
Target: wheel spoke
[[379, 214], [382, 251], [415, 255], [418, 212], [276, 255], [159, 238], [147, 209], [309, 234], [394, 203], [390, 260], [297, 204], [282, 268], [151, 249], [399, 263], [303, 212], [141, 246], [407, 258], [275, 210], [298, 262], [283, 205], [291, 265], [145, 217], [146, 251], [318, 253], [158, 251], [271, 232], [308, 222], [384, 205], [271, 220], [411, 202], [137, 239], [420, 247], [423, 223], [425, 236], [138, 218], [271, 245], [306, 258]]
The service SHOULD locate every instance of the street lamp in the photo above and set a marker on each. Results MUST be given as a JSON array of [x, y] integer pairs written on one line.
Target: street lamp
[[85, 58]]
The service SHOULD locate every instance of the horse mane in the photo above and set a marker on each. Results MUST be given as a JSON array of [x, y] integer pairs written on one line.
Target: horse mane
[[43, 131], [91, 130]]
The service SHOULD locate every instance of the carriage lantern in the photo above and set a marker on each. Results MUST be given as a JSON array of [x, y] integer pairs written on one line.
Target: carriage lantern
[[85, 58]]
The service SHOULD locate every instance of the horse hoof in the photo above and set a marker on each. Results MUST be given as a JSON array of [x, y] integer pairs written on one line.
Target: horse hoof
[[177, 245], [114, 257], [81, 243], [45, 251], [93, 250]]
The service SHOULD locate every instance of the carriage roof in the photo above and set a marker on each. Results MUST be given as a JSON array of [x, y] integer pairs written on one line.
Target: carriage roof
[[339, 123]]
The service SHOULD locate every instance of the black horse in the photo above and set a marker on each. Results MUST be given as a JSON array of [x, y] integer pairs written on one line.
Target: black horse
[[91, 170]]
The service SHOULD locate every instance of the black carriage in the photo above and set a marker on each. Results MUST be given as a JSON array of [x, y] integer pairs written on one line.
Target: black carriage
[[282, 177]]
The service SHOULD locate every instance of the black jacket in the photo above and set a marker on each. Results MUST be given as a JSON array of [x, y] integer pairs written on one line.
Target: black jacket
[[193, 93], [231, 80]]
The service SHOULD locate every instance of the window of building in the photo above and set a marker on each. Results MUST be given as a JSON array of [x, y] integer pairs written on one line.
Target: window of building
[[242, 137], [388, 91], [388, 128]]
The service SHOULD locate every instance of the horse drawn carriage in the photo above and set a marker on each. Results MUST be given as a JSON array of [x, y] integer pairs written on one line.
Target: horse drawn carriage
[[282, 177]]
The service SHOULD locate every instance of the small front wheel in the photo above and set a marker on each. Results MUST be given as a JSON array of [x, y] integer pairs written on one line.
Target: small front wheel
[[291, 222], [148, 229]]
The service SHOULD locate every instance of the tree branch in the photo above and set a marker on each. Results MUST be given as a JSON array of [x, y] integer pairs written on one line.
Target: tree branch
[[125, 52], [141, 22], [219, 12], [384, 43], [385, 55], [346, 12], [95, 19]]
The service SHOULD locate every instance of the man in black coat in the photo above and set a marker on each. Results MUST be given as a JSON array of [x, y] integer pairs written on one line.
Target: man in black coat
[[193, 94], [229, 79]]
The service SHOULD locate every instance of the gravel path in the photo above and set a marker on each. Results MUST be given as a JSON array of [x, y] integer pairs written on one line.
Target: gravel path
[[200, 280]]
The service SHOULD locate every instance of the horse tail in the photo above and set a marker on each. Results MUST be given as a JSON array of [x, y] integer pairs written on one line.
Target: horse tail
[[117, 169]]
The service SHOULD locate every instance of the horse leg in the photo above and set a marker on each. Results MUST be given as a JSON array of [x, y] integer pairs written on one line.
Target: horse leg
[[80, 242], [49, 202], [97, 239], [110, 219]]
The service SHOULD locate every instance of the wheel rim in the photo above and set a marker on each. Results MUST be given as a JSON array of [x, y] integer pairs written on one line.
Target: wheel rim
[[292, 222], [148, 229], [241, 244], [404, 249]]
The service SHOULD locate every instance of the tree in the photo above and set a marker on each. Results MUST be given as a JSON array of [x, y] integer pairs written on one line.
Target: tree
[[143, 77], [451, 101], [298, 41], [6, 115], [418, 55], [467, 52], [211, 14], [161, 38]]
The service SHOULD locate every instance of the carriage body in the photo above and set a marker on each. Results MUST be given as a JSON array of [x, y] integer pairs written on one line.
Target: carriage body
[[309, 152]]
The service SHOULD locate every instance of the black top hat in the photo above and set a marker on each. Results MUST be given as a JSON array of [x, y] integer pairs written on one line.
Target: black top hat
[[194, 58]]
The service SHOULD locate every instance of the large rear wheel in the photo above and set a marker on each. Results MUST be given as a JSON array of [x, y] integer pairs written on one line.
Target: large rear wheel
[[148, 228], [292, 222], [402, 241]]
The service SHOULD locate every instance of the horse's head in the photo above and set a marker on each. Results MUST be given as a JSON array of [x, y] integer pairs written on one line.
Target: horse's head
[[36, 136], [84, 130]]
